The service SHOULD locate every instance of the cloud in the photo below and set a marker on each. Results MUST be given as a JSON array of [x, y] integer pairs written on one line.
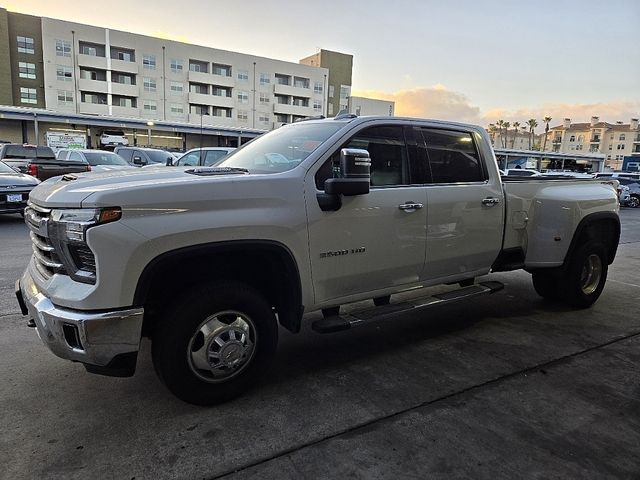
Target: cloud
[[578, 112], [429, 102]]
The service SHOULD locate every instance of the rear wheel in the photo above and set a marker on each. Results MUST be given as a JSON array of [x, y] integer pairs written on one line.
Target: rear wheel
[[215, 343], [634, 201], [585, 275]]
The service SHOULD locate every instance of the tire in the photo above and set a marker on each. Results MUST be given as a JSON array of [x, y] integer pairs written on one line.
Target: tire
[[634, 201], [214, 343], [546, 284], [585, 275]]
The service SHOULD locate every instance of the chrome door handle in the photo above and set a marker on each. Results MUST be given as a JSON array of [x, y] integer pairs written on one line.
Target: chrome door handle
[[410, 206], [490, 201]]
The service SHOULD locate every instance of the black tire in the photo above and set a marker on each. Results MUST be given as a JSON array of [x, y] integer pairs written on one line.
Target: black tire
[[634, 201], [546, 284], [225, 311], [585, 275]]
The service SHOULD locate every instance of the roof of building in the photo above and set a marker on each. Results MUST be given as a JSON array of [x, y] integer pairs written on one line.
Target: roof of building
[[588, 126]]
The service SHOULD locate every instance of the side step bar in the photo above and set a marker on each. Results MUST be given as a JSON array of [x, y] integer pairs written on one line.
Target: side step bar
[[346, 321]]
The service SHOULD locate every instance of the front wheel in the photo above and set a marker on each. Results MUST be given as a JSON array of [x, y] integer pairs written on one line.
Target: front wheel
[[585, 275], [634, 201], [215, 343]]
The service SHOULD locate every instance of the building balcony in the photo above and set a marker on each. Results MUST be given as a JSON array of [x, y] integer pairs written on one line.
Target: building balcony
[[213, 100], [292, 109], [221, 80], [595, 140], [125, 89], [636, 139], [87, 85], [122, 66], [293, 91], [92, 62], [94, 108], [200, 77], [125, 112]]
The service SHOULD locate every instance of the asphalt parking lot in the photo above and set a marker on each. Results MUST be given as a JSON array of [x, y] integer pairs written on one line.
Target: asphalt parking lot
[[501, 386]]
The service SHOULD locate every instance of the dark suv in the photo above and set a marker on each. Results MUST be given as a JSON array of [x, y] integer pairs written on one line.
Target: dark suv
[[144, 156], [39, 162]]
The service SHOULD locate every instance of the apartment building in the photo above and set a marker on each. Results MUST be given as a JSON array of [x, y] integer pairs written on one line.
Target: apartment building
[[613, 140], [340, 66], [370, 106], [81, 69]]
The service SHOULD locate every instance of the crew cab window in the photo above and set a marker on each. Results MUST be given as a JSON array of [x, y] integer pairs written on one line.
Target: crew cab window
[[388, 151], [189, 160], [75, 157], [212, 157], [125, 153], [453, 156]]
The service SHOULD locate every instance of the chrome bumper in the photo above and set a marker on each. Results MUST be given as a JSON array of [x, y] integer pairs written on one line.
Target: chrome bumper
[[93, 338]]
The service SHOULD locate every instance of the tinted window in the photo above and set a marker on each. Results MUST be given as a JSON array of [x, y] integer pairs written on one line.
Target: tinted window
[[158, 156], [189, 160], [125, 153], [388, 152], [452, 156], [20, 151], [212, 157], [75, 157], [104, 158]]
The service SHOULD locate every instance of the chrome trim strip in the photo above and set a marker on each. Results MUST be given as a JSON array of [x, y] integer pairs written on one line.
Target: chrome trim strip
[[38, 243], [44, 261]]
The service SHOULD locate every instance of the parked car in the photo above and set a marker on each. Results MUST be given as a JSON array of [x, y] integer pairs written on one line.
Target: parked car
[[113, 138], [98, 160], [634, 191], [631, 175], [205, 156], [521, 172], [141, 156], [39, 162], [14, 189], [623, 195]]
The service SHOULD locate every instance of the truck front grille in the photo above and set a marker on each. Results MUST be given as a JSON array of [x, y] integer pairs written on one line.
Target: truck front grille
[[47, 261]]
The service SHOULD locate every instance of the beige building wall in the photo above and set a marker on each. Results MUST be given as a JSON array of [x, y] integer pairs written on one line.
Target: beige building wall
[[340, 66]]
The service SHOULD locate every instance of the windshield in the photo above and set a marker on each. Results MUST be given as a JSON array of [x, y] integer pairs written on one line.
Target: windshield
[[4, 168], [158, 156], [104, 158], [281, 149]]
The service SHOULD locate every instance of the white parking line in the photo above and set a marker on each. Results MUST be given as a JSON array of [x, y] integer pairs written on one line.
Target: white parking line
[[624, 283]]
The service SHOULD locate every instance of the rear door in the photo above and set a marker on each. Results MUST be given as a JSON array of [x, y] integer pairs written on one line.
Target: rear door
[[465, 218]]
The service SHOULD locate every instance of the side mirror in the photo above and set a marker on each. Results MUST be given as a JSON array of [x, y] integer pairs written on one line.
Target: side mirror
[[138, 160], [169, 161], [355, 171]]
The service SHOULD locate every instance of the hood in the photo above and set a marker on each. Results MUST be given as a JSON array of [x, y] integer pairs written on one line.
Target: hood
[[73, 189], [17, 180]]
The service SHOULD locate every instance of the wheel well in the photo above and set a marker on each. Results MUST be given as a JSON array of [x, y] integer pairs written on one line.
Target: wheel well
[[266, 266], [603, 228]]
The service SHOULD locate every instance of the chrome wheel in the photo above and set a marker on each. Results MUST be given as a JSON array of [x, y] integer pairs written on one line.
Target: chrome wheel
[[591, 273], [634, 201], [222, 346]]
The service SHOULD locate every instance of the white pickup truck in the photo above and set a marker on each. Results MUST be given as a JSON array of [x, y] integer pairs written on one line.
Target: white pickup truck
[[208, 262]]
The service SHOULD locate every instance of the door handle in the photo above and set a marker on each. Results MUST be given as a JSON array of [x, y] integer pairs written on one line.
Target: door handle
[[410, 206], [490, 201]]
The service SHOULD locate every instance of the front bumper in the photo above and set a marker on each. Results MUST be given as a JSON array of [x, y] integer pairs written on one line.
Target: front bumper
[[107, 342]]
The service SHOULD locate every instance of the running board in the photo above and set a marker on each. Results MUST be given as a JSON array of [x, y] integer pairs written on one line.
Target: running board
[[346, 321]]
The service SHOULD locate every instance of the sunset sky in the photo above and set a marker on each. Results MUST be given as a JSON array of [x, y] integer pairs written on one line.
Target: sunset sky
[[466, 60]]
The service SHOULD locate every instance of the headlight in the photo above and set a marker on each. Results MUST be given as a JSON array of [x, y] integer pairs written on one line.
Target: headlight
[[67, 231]]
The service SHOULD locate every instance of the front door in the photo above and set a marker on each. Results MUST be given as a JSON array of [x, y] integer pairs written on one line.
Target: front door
[[374, 241]]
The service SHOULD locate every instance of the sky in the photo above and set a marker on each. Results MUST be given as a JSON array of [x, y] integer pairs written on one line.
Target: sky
[[466, 60]]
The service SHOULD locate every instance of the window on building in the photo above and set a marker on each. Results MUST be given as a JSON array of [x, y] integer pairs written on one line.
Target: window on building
[[263, 118], [177, 109], [243, 76], [317, 87], [198, 66], [124, 54], [580, 138], [620, 146], [572, 138], [150, 106], [221, 112], [63, 48], [92, 49], [26, 45], [300, 102], [177, 66], [220, 91], [122, 101], [223, 70], [64, 73], [610, 147], [28, 95], [199, 109], [265, 79], [264, 98], [100, 75], [300, 82], [330, 108], [27, 70], [345, 91], [283, 79], [96, 98], [243, 115], [243, 97], [176, 88], [317, 105], [149, 84], [578, 147], [149, 62], [282, 118], [622, 137], [199, 88], [123, 78], [65, 97]]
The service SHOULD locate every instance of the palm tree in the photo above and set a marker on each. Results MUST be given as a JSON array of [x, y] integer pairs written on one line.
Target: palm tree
[[500, 124], [546, 120], [506, 132], [532, 125], [516, 125], [492, 132]]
